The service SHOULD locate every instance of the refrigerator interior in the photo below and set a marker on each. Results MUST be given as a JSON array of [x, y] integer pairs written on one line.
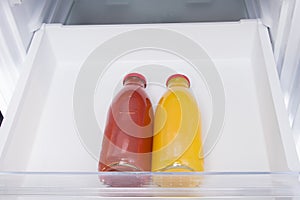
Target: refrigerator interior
[[258, 142], [248, 55]]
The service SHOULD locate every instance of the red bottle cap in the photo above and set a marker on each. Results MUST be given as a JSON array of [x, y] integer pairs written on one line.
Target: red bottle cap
[[140, 76], [177, 76]]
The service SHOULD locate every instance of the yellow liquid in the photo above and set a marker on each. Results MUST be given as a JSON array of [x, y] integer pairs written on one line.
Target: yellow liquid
[[177, 144]]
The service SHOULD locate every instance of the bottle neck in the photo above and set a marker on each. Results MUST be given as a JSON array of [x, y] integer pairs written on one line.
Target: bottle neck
[[178, 82], [134, 81]]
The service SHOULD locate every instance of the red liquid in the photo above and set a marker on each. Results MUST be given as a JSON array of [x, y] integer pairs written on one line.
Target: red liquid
[[127, 141]]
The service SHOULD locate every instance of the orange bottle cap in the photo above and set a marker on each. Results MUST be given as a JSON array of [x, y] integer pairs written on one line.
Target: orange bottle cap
[[178, 76]]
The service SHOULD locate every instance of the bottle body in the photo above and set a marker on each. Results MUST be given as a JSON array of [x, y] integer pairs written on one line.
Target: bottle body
[[177, 144], [127, 141]]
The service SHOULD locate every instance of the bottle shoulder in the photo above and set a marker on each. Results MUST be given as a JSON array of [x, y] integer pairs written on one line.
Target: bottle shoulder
[[131, 93], [178, 93]]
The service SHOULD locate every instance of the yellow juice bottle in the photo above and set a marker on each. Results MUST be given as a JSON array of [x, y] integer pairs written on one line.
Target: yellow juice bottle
[[177, 144]]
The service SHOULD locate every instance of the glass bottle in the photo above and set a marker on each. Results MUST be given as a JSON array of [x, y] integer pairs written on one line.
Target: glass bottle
[[177, 143], [127, 141]]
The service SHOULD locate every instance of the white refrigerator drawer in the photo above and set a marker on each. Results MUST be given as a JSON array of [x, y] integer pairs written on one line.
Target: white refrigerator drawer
[[71, 74]]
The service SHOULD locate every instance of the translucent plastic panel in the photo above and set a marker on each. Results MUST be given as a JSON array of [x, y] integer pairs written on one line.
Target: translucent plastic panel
[[210, 185], [155, 11]]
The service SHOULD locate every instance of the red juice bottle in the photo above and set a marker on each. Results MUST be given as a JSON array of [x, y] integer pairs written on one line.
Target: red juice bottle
[[127, 141]]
